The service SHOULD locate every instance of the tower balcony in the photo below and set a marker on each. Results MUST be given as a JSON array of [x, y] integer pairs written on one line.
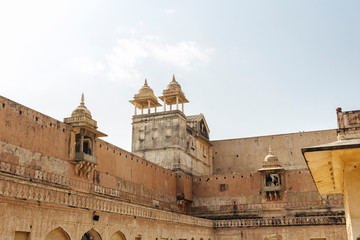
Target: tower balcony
[[81, 156]]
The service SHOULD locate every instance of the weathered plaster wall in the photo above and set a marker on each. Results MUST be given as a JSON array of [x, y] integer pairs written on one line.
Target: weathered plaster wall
[[26, 128], [245, 155], [242, 194], [184, 185], [163, 139], [115, 163], [36, 142]]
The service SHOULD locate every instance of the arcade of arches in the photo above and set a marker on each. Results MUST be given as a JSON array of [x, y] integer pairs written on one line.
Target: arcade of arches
[[92, 234]]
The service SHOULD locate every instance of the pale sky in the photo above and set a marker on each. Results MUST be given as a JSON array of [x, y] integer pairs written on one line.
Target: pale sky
[[252, 67]]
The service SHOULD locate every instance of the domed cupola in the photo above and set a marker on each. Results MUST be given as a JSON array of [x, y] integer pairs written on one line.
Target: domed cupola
[[145, 99], [81, 116], [271, 161], [145, 91], [173, 95], [173, 86], [81, 110]]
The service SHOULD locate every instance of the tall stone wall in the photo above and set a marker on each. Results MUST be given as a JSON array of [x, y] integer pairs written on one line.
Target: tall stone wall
[[38, 144], [26, 128], [40, 191], [114, 161], [245, 155], [241, 195]]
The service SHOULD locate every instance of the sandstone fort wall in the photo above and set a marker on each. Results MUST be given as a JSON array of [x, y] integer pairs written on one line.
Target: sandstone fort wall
[[245, 155]]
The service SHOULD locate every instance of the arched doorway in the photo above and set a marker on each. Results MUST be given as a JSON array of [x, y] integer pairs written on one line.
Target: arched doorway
[[118, 236], [91, 235], [57, 234]]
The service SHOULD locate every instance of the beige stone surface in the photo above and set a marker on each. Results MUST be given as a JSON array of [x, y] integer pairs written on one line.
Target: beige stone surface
[[138, 196], [245, 155], [163, 138], [40, 219]]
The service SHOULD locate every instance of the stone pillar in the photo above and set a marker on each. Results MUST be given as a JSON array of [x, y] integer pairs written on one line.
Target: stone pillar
[[82, 141], [93, 146], [182, 106], [164, 104], [352, 198], [149, 106], [177, 103], [135, 110]]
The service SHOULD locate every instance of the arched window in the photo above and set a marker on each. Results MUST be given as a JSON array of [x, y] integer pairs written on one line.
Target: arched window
[[118, 236], [58, 234], [91, 235]]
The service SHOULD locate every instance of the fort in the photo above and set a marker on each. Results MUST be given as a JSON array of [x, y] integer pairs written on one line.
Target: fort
[[61, 180]]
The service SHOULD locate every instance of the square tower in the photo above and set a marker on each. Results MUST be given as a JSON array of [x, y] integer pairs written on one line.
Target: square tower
[[170, 138]]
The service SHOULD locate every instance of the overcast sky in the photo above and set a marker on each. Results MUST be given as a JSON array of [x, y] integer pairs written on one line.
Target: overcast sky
[[251, 67]]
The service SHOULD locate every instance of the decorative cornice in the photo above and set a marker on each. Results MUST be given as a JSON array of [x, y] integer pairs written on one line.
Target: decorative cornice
[[102, 200], [12, 187]]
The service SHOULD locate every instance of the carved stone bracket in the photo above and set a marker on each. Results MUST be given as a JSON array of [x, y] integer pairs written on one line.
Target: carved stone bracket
[[84, 168]]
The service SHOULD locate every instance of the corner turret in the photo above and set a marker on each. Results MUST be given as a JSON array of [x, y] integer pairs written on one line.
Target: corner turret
[[85, 129]]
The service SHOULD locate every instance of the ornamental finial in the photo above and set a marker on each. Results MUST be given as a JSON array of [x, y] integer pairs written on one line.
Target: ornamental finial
[[82, 99]]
